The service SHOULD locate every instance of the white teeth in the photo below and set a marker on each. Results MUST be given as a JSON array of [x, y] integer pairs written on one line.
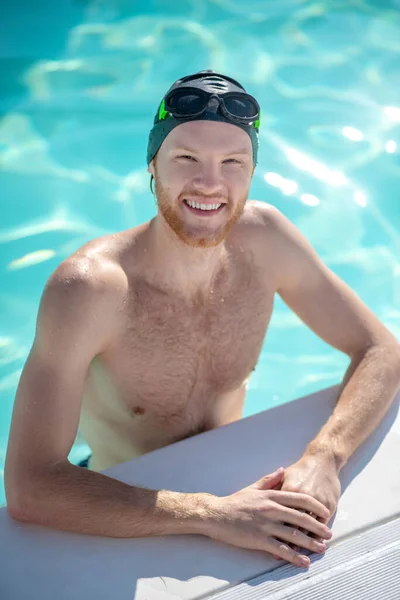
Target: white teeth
[[203, 206]]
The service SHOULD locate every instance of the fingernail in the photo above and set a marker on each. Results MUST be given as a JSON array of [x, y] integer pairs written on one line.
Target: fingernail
[[304, 562]]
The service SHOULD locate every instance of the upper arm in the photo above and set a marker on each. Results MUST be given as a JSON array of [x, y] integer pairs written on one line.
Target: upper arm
[[316, 294], [73, 326]]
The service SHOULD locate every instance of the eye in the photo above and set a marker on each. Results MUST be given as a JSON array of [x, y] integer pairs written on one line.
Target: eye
[[186, 156], [233, 160]]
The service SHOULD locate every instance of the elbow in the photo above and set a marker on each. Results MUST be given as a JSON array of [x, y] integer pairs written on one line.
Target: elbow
[[17, 513], [20, 504], [25, 502], [30, 494], [17, 505]]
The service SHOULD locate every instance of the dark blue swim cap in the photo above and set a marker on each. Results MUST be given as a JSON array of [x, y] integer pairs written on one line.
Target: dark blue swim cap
[[211, 82]]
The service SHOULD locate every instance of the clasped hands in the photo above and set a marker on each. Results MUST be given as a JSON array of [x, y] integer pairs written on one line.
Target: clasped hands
[[316, 476]]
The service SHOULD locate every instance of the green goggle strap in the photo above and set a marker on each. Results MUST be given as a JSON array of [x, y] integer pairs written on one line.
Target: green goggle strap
[[162, 113]]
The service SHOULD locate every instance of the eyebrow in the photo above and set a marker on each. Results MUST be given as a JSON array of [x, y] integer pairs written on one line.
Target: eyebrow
[[186, 149]]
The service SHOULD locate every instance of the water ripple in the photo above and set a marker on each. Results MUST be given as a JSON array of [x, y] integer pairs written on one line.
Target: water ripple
[[73, 135]]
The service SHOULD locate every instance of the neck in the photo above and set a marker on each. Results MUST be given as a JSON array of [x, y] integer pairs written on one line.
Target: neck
[[188, 270]]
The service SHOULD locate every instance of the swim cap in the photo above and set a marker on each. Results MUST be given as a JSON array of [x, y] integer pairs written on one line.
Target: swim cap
[[208, 81]]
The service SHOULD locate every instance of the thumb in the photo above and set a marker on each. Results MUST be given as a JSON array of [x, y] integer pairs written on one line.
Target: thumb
[[269, 481]]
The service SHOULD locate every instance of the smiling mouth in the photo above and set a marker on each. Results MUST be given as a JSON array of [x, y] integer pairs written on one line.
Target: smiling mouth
[[204, 209]]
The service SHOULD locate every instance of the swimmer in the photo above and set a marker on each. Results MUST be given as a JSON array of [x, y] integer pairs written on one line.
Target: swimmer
[[148, 336]]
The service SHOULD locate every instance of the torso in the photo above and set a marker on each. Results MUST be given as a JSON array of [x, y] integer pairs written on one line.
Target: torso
[[177, 368]]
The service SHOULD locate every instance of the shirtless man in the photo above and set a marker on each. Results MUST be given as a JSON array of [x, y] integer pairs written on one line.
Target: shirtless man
[[148, 336]]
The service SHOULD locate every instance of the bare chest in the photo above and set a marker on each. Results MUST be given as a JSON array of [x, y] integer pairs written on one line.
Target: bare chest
[[177, 368], [173, 352]]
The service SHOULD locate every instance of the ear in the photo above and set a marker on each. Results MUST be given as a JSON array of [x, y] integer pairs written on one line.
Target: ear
[[150, 168]]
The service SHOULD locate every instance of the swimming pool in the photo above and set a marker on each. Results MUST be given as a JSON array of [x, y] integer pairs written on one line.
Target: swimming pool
[[80, 84]]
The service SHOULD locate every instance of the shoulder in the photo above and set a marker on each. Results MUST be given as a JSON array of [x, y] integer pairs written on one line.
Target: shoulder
[[86, 283], [266, 226], [278, 245], [80, 305], [265, 215], [86, 274], [273, 226]]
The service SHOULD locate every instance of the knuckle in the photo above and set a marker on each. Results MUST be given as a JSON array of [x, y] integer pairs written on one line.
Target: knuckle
[[284, 548], [294, 556], [270, 512], [295, 534], [308, 499], [305, 521], [266, 511]]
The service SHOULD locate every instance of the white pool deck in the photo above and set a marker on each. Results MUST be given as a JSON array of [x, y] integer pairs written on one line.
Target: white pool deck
[[362, 560]]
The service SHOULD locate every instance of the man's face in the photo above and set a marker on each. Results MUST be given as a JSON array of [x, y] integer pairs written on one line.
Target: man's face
[[203, 162]]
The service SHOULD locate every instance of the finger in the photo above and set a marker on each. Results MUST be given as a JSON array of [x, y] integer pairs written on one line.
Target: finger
[[295, 548], [282, 550], [270, 481], [301, 501], [296, 538], [294, 517], [309, 534], [313, 535]]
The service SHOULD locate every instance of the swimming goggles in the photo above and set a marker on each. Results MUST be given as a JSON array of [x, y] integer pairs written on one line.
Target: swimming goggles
[[188, 102]]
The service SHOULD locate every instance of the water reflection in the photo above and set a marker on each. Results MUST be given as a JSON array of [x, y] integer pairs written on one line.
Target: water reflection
[[310, 199], [24, 150], [72, 150], [353, 134], [360, 198], [33, 258], [391, 146], [393, 112], [317, 169]]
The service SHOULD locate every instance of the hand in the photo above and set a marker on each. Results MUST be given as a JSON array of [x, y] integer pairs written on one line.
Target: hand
[[317, 476], [254, 518]]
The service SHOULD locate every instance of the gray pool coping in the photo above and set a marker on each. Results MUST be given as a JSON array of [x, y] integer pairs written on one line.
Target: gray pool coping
[[40, 563]]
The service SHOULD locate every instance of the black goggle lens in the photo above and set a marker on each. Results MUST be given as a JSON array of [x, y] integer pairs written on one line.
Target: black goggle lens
[[186, 102], [241, 107]]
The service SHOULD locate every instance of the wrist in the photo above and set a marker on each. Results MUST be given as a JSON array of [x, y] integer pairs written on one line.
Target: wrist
[[192, 513], [209, 515], [328, 453]]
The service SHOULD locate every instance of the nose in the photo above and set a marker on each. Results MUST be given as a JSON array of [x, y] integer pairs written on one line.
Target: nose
[[208, 179]]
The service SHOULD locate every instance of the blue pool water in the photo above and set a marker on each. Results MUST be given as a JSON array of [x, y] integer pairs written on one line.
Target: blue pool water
[[80, 82]]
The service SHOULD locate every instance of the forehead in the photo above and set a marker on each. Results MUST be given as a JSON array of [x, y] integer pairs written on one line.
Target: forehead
[[209, 135]]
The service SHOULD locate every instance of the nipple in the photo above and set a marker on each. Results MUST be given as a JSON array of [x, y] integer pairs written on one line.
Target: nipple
[[138, 410]]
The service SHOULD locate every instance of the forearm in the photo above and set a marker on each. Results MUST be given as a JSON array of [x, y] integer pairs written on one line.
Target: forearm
[[84, 501], [368, 390]]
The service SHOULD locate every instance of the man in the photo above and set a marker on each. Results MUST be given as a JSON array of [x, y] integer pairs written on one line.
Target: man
[[149, 335]]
